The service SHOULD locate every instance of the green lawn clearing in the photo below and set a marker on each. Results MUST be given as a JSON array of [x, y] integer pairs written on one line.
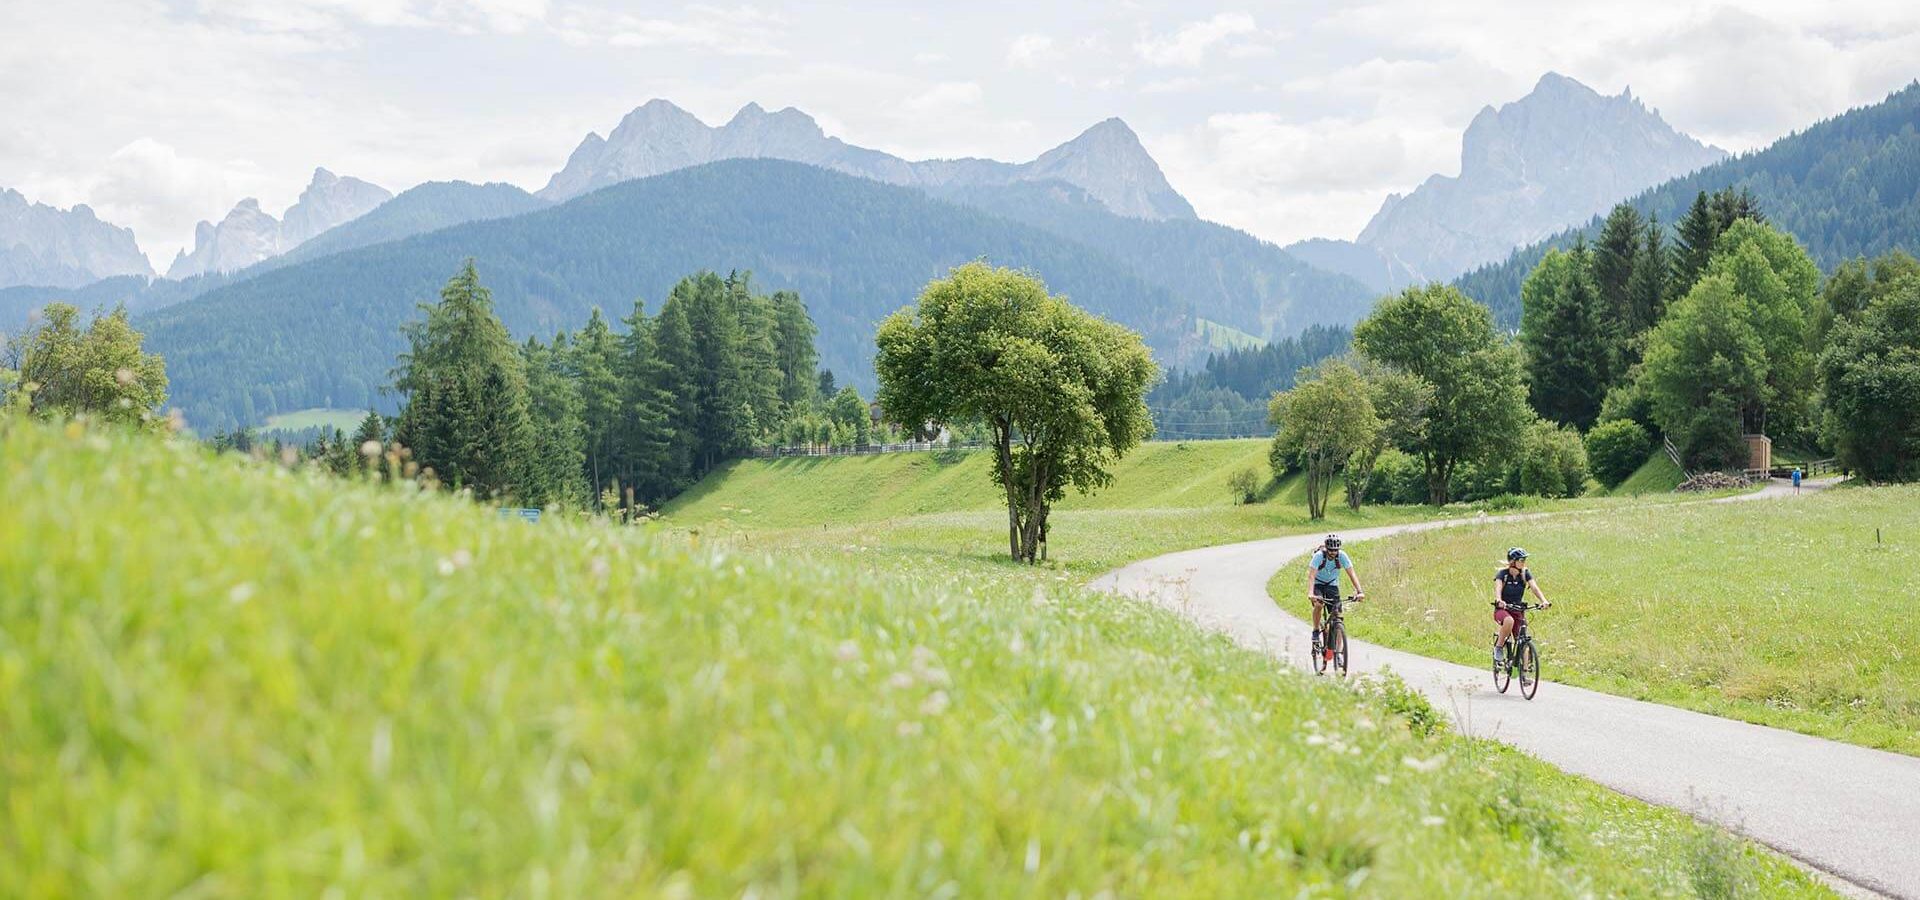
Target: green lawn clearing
[[1782, 612], [224, 679], [319, 417]]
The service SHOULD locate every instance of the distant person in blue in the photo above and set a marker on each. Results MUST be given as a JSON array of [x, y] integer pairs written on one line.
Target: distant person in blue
[[1796, 479], [1323, 579]]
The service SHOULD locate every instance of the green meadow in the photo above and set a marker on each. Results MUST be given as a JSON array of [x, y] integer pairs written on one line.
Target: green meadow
[[228, 679]]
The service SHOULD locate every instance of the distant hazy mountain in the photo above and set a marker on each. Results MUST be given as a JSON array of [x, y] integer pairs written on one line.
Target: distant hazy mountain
[[324, 332], [1379, 272], [248, 234], [43, 245], [1106, 161], [1845, 187], [418, 210], [1229, 277], [1551, 159]]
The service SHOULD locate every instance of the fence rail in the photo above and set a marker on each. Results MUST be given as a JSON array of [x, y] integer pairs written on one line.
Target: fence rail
[[863, 449]]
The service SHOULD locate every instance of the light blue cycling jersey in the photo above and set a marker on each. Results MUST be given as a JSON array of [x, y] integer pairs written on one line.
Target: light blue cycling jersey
[[1327, 571]]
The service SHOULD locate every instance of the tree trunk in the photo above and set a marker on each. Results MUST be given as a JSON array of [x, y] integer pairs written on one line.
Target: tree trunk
[[1439, 476], [1003, 445]]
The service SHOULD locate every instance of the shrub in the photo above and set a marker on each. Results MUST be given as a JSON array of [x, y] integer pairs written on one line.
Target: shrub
[[1553, 462], [1244, 485], [1616, 450], [1397, 478]]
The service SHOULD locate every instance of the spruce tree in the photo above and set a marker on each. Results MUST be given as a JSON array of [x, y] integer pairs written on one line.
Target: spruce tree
[[1615, 256], [644, 440], [793, 335], [673, 345], [760, 374], [467, 410], [1568, 348], [593, 361], [556, 473], [1647, 289], [1693, 245]]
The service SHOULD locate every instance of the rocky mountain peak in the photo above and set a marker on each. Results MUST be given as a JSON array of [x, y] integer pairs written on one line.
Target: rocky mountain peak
[[1555, 157], [1106, 160], [47, 246], [249, 234]]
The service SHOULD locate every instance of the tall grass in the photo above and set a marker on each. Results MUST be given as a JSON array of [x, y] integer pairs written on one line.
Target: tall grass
[[224, 679], [1782, 612]]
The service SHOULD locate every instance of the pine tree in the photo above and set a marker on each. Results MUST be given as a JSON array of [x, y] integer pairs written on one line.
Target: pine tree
[[760, 374], [1647, 289], [722, 422], [593, 362], [1615, 257], [467, 411], [673, 345], [644, 440], [793, 334], [1567, 342], [1693, 247], [557, 470]]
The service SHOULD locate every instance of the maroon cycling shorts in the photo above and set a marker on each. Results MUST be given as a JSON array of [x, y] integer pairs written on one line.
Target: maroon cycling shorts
[[1501, 614]]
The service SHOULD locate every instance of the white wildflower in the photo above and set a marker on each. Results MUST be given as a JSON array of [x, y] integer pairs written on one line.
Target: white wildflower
[[1425, 765], [935, 704], [848, 651]]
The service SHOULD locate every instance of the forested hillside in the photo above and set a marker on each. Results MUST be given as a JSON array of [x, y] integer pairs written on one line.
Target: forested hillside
[[325, 332], [1227, 397], [1846, 187], [428, 207], [1230, 276]]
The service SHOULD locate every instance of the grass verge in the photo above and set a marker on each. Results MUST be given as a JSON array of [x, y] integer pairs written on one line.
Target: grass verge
[[1783, 612]]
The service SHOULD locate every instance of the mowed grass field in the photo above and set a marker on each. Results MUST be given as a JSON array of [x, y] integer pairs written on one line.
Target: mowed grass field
[[1782, 612], [319, 417], [1165, 496], [225, 679]]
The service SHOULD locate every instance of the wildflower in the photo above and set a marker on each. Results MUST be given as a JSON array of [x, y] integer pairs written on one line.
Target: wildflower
[[900, 681], [600, 568], [848, 651], [935, 704], [241, 593], [446, 566], [462, 559], [1425, 765], [1433, 821], [1315, 740], [907, 729], [370, 449]]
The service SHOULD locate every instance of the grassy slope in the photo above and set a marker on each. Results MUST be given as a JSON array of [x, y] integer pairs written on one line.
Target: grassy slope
[[1657, 475], [344, 419], [1787, 612], [228, 680]]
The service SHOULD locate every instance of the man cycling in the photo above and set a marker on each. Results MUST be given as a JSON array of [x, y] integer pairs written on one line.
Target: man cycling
[[1323, 580], [1510, 586]]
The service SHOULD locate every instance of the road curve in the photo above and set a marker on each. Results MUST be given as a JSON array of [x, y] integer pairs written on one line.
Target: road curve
[[1847, 811]]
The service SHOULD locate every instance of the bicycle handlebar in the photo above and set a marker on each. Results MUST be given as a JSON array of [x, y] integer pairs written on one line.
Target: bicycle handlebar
[[1523, 606]]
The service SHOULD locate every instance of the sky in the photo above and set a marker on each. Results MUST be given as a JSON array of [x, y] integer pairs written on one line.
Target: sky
[[1289, 120]]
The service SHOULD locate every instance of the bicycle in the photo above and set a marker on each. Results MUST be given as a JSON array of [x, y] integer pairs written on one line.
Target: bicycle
[[1330, 650], [1521, 657]]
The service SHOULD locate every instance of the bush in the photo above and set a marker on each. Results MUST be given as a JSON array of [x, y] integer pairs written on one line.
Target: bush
[[1477, 481], [1397, 478], [1616, 450], [1629, 400], [1553, 462], [1244, 485]]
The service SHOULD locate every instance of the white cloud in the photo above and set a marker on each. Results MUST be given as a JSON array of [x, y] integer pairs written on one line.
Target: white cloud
[[736, 31], [1188, 46], [946, 95], [1030, 50]]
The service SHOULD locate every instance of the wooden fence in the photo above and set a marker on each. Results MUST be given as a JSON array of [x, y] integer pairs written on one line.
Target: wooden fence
[[862, 450]]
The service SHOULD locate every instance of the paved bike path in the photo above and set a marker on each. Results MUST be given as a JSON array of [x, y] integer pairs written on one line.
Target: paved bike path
[[1848, 811]]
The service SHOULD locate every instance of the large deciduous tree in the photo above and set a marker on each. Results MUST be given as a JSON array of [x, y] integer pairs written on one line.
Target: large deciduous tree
[[1320, 423], [1447, 340], [1061, 391], [1706, 364], [99, 371], [1870, 371]]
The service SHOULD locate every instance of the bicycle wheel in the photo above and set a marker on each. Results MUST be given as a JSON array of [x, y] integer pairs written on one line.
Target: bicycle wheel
[[1339, 645], [1502, 673], [1529, 663], [1319, 655]]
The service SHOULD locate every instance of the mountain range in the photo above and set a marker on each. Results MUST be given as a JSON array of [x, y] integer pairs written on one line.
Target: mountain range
[[1846, 187], [1528, 169], [44, 245], [1107, 160], [249, 235]]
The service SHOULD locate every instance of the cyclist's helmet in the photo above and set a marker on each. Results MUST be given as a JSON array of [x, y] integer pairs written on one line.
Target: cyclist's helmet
[[1333, 542], [1516, 554]]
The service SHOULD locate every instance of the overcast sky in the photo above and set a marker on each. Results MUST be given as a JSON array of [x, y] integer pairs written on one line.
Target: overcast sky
[[1289, 120]]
